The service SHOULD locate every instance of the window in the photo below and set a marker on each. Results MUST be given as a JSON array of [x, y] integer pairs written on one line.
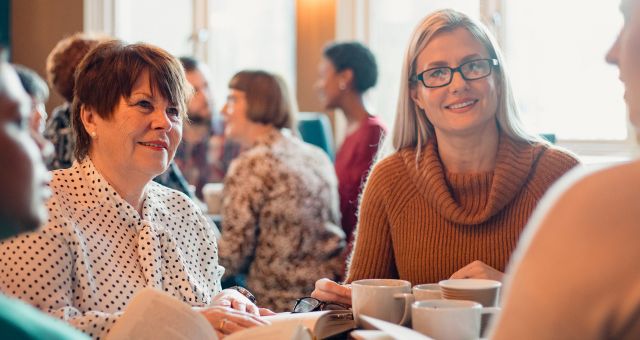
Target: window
[[251, 34], [555, 50], [229, 35], [164, 23]]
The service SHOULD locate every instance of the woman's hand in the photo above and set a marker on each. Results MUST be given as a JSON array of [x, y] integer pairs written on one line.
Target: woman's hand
[[226, 320], [478, 270], [327, 290], [234, 299]]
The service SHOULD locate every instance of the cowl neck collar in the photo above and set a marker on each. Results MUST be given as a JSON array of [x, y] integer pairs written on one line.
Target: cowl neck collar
[[471, 198]]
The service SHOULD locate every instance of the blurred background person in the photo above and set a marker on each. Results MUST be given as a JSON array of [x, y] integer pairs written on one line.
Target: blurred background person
[[24, 180], [463, 176], [575, 272], [347, 70], [38, 90], [61, 66], [280, 210], [112, 231], [204, 155]]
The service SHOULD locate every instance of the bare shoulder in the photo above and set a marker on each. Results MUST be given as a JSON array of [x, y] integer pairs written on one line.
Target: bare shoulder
[[612, 184], [585, 199]]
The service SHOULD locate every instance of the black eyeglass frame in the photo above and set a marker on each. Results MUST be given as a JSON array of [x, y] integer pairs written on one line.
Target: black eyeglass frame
[[319, 305], [493, 62]]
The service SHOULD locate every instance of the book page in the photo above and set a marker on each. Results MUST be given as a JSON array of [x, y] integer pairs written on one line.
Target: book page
[[283, 330], [300, 326], [323, 324], [153, 314]]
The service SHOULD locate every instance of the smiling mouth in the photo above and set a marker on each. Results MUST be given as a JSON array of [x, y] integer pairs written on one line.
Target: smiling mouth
[[462, 105], [153, 145]]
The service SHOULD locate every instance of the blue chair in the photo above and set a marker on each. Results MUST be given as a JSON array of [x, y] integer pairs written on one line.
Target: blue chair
[[315, 129], [549, 137]]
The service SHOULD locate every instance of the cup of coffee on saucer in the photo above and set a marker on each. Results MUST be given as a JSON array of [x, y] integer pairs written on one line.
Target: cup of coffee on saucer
[[427, 291]]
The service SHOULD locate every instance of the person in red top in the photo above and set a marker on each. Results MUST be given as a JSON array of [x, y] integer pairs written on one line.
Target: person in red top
[[346, 71]]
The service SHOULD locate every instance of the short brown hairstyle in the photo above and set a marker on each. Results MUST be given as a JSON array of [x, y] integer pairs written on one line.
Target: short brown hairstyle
[[268, 100], [109, 72], [63, 60]]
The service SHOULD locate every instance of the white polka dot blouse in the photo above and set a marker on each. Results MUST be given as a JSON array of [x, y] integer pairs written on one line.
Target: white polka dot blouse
[[96, 251]]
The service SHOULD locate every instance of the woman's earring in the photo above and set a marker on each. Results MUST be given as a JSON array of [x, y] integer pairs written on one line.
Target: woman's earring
[[93, 134]]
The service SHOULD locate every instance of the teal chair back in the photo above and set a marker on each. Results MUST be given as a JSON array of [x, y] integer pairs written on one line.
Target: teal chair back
[[549, 137], [315, 129]]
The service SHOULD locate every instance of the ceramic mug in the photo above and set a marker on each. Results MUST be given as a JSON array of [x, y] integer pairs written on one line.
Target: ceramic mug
[[427, 291], [212, 193], [385, 299], [449, 319]]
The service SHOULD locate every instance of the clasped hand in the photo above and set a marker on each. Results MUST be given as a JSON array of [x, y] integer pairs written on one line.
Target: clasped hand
[[231, 312]]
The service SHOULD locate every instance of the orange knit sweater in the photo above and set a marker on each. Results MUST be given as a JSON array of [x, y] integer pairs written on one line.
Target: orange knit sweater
[[421, 224]]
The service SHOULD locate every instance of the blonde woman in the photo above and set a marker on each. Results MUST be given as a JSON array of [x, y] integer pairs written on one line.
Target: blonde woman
[[461, 177]]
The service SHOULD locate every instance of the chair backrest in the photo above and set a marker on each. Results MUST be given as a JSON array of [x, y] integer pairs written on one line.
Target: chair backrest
[[315, 129], [549, 137]]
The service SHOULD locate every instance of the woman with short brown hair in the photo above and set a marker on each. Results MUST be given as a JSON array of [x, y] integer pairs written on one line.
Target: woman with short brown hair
[[112, 231], [280, 208]]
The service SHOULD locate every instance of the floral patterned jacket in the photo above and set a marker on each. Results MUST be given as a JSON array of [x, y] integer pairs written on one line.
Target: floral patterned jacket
[[280, 220]]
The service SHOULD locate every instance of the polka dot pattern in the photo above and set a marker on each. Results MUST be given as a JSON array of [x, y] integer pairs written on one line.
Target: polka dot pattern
[[96, 251]]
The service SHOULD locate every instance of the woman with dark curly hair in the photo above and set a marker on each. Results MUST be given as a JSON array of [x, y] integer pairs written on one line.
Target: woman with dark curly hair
[[346, 71], [61, 67]]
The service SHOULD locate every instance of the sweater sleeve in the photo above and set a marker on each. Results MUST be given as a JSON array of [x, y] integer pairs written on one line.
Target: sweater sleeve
[[372, 255], [37, 268], [244, 192]]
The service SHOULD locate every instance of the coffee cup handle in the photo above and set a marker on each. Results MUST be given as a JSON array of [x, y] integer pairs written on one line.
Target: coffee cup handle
[[490, 310], [408, 300]]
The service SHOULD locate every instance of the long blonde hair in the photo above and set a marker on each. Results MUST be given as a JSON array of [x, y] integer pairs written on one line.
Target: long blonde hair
[[411, 128]]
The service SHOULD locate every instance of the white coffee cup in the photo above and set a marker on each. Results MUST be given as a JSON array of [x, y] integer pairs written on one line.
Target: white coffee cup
[[385, 299], [449, 319], [212, 193], [427, 291]]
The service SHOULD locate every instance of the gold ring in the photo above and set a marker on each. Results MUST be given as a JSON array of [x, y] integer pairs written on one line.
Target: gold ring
[[222, 323]]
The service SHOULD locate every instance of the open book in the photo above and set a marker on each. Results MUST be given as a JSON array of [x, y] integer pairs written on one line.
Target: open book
[[318, 325], [154, 314]]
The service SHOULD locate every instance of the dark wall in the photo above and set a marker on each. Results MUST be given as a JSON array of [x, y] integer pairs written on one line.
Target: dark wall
[[5, 23], [36, 26]]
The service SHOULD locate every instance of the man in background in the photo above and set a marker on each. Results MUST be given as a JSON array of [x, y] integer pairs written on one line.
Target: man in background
[[204, 155]]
